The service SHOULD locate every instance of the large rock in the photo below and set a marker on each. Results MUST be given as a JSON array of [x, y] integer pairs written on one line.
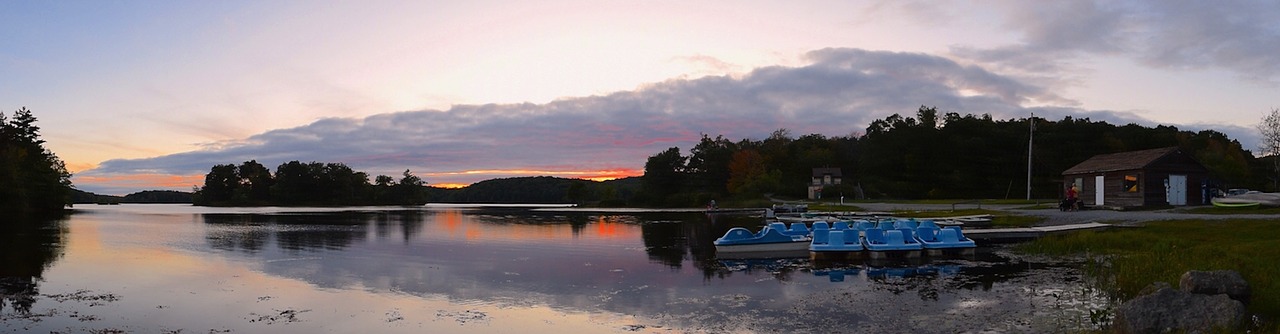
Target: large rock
[[1216, 282], [1168, 310]]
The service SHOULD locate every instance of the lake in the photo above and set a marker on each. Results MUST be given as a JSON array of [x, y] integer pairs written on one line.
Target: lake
[[468, 269]]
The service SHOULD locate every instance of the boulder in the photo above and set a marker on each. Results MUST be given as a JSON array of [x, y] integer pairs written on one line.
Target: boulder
[[1168, 310], [1227, 282]]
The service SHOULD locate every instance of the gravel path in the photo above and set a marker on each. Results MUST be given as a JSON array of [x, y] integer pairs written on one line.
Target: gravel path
[[1055, 217]]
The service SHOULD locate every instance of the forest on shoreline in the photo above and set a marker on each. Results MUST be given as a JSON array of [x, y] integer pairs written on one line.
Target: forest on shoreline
[[925, 156], [928, 156]]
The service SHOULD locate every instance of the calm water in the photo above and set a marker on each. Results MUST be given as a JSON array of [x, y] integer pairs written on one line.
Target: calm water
[[172, 268]]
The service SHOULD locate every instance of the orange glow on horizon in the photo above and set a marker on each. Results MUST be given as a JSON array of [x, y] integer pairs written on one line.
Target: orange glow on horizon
[[143, 181], [590, 175], [76, 167], [186, 182]]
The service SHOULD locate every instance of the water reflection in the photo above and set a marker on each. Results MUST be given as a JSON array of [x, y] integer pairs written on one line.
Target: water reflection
[[28, 246], [658, 265]]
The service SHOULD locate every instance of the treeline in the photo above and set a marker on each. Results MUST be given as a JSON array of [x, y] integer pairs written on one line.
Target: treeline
[[32, 178], [146, 196], [541, 190], [295, 184], [925, 156]]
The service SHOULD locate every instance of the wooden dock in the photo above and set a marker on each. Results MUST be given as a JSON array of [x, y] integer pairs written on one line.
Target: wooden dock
[[1025, 233]]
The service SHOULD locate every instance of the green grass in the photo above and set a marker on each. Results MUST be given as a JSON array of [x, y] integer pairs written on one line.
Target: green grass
[[1162, 251]]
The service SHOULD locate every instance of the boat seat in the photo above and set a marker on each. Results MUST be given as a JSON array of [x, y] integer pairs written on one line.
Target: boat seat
[[822, 236], [909, 223], [928, 223], [799, 228], [835, 237], [886, 225], [894, 237], [820, 226], [875, 236], [779, 226], [908, 235], [863, 225], [949, 235], [927, 234], [841, 225], [851, 237], [959, 233]]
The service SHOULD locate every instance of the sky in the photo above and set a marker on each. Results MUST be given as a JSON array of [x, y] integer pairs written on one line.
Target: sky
[[137, 95]]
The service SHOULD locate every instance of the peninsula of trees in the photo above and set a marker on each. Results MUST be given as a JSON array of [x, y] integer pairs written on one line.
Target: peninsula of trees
[[32, 178], [305, 184]]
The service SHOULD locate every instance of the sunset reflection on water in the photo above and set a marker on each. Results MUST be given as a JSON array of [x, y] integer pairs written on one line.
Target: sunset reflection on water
[[458, 269]]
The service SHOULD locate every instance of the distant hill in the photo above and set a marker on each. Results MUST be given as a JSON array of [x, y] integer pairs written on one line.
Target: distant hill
[[540, 190], [147, 196]]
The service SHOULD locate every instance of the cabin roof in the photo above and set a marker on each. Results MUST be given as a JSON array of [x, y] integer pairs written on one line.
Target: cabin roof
[[819, 172], [1120, 161]]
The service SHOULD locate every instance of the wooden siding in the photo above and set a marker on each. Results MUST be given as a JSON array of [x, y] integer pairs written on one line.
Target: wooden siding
[[1151, 179]]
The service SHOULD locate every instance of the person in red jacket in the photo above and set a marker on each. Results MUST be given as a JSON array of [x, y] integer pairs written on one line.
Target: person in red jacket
[[1072, 200]]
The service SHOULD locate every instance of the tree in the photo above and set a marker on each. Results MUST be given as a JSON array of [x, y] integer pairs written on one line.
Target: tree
[[1269, 129], [664, 173], [747, 174], [383, 181], [410, 190], [220, 184], [32, 178], [255, 181], [708, 165]]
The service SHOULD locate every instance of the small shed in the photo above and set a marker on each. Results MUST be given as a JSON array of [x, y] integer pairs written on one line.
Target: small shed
[[1162, 176], [822, 177]]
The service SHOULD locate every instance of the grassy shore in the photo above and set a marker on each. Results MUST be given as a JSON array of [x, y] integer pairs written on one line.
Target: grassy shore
[[1132, 258]]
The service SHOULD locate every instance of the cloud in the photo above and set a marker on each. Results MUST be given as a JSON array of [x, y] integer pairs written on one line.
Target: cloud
[[838, 94], [1238, 36]]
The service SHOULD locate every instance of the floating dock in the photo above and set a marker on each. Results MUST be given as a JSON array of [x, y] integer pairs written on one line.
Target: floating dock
[[1025, 233]]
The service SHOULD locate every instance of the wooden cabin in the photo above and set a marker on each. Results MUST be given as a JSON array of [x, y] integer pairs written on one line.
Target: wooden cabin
[[823, 177], [1155, 177]]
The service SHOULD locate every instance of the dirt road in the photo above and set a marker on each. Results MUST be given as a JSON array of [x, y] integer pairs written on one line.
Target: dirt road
[[1055, 217]]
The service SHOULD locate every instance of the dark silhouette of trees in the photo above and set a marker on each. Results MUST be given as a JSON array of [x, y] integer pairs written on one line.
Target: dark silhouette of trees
[[541, 189], [32, 178], [927, 155], [255, 182], [664, 173], [220, 184], [295, 183]]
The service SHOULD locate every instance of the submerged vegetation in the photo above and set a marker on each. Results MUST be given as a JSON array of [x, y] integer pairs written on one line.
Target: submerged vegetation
[[1126, 260]]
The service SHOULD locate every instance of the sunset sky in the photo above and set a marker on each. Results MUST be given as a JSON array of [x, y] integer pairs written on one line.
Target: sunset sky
[[138, 95]]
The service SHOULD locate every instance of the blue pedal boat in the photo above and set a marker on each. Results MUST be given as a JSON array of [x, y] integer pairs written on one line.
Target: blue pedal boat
[[891, 243], [847, 240], [945, 240], [774, 237]]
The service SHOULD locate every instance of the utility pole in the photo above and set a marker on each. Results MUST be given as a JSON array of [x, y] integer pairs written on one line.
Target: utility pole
[[1030, 139]]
